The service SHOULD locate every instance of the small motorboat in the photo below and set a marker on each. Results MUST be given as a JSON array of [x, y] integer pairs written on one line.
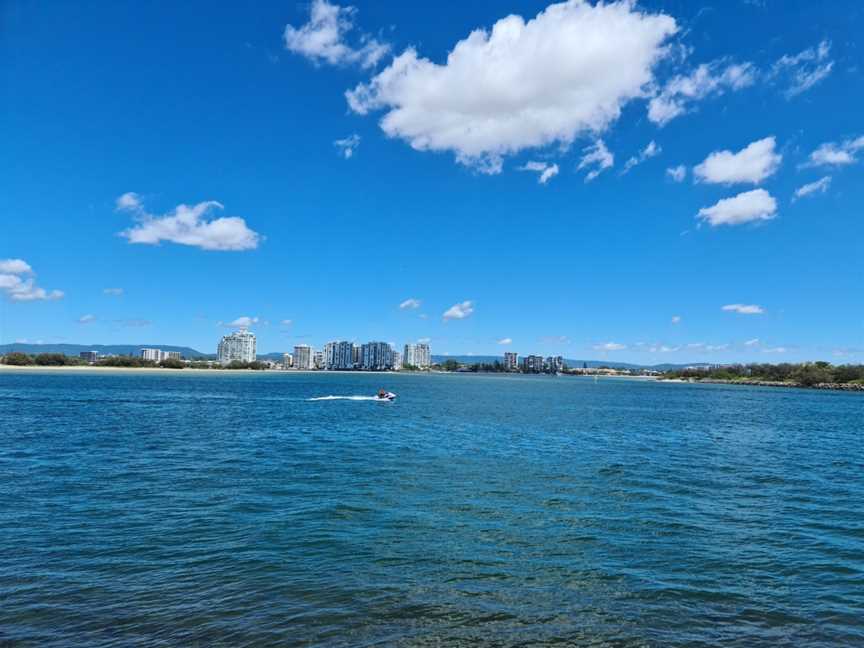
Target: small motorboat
[[385, 395]]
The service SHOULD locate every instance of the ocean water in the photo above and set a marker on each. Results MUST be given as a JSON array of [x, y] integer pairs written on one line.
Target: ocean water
[[232, 510]]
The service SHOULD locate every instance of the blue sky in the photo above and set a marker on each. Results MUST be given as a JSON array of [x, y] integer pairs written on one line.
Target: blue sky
[[492, 186]]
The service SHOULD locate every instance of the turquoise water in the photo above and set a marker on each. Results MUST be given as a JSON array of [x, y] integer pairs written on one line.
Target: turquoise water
[[153, 510]]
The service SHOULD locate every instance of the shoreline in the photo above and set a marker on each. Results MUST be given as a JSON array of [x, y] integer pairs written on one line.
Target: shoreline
[[846, 387]]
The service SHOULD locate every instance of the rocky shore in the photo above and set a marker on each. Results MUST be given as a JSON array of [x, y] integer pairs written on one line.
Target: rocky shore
[[853, 387]]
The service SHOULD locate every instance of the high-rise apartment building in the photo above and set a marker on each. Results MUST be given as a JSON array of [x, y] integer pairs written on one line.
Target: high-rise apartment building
[[554, 364], [377, 356], [239, 346], [417, 355], [303, 357], [511, 361], [532, 364]]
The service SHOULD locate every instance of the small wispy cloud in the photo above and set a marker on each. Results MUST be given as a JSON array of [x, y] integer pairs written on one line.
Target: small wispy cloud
[[596, 158], [347, 146], [677, 173], [835, 154], [804, 70], [610, 346], [87, 319], [650, 151], [459, 311], [546, 171], [676, 319], [505, 341], [242, 322], [115, 292], [324, 39], [410, 304], [820, 186], [706, 80], [134, 323], [743, 309]]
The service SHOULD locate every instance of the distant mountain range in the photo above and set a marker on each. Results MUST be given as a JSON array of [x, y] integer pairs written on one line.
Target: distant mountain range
[[188, 352]]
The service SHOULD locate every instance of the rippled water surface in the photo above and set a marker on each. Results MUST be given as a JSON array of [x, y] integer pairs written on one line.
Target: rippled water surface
[[230, 510]]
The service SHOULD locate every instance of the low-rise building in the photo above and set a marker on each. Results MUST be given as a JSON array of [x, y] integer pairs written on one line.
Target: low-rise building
[[153, 355], [89, 356]]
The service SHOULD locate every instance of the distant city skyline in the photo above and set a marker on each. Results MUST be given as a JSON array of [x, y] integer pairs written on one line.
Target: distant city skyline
[[310, 179]]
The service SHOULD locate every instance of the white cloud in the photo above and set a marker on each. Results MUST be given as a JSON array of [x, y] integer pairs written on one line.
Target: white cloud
[[753, 164], [505, 341], [15, 267], [676, 319], [805, 69], [187, 225], [743, 309], [129, 201], [348, 145], [87, 319], [546, 171], [561, 75], [410, 304], [17, 288], [832, 154], [652, 150], [662, 348], [459, 311], [286, 322], [610, 346], [706, 80], [424, 340], [323, 38], [775, 350], [243, 322], [820, 186], [751, 343], [116, 292], [598, 157], [748, 206], [678, 173]]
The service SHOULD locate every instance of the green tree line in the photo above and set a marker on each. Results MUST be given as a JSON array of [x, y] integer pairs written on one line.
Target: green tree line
[[807, 373], [17, 358]]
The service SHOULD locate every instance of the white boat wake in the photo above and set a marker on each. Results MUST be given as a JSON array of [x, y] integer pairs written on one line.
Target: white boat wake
[[351, 398]]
